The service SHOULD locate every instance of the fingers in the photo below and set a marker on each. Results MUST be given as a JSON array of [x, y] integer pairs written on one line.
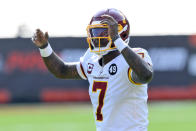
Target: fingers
[[39, 38], [39, 35], [107, 19], [113, 25], [46, 35], [38, 30]]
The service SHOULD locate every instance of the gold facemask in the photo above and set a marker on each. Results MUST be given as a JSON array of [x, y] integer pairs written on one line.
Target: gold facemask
[[98, 38]]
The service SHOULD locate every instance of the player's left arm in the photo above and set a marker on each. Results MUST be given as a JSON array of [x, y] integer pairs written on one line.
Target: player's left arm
[[142, 72]]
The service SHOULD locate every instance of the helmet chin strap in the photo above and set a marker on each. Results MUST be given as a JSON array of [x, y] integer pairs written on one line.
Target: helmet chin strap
[[102, 53]]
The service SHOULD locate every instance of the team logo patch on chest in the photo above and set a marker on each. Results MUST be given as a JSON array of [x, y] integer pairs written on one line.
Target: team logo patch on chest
[[112, 69], [90, 68]]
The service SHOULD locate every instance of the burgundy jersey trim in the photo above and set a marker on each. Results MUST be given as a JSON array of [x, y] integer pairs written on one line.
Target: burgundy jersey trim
[[83, 71]]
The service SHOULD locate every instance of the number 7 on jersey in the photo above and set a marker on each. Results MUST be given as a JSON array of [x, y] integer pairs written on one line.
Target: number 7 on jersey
[[102, 86]]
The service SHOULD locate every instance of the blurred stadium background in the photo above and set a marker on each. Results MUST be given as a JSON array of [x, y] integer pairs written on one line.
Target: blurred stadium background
[[27, 89], [33, 99]]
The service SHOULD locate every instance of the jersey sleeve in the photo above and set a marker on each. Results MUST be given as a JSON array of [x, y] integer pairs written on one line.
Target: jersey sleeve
[[145, 56], [81, 68]]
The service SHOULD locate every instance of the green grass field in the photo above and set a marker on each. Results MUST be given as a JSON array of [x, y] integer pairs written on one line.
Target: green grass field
[[163, 116]]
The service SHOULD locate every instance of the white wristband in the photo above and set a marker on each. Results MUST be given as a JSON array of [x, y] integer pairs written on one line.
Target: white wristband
[[120, 44], [46, 51]]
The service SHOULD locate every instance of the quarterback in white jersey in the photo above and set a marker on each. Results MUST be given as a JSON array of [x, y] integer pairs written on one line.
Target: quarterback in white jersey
[[117, 74], [119, 103]]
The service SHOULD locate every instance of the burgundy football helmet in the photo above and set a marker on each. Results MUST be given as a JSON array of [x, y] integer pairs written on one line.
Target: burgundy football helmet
[[98, 39]]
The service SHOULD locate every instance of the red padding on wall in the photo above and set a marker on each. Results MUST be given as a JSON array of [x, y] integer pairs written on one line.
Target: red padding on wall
[[175, 93], [5, 96], [159, 93]]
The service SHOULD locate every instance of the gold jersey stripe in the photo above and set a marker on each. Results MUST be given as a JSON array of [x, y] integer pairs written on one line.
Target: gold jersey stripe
[[130, 77]]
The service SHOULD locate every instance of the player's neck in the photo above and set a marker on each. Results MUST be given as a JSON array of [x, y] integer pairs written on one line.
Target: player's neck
[[108, 57]]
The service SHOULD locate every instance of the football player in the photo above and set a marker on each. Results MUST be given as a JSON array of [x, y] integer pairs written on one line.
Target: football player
[[117, 74]]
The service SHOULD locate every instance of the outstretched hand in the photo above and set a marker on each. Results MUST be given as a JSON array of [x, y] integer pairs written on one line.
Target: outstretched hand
[[113, 26], [40, 39]]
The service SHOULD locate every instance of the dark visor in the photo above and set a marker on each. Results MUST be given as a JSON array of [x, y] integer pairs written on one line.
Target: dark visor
[[99, 32]]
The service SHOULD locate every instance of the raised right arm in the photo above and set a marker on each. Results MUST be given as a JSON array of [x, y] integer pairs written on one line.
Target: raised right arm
[[59, 68]]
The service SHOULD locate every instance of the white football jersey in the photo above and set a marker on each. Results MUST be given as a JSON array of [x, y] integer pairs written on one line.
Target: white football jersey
[[119, 104]]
